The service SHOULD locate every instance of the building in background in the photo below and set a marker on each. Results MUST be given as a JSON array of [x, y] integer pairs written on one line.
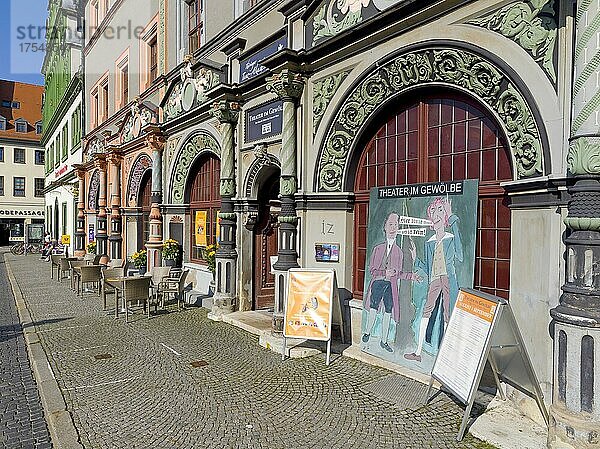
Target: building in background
[[62, 118], [21, 159]]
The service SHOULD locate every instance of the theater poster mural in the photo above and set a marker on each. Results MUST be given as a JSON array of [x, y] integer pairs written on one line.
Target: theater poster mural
[[420, 251]]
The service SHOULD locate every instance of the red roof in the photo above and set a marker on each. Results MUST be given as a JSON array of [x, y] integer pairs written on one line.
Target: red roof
[[29, 97]]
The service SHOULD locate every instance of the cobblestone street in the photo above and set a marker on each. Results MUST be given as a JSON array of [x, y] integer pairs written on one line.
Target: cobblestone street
[[22, 423], [135, 385]]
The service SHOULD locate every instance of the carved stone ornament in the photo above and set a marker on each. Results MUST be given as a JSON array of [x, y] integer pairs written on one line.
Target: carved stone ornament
[[532, 25], [584, 156], [286, 84], [260, 151], [191, 149], [227, 187], [255, 168], [96, 147], [453, 67], [94, 190], [138, 118], [288, 186], [226, 111], [323, 92], [141, 164], [191, 90]]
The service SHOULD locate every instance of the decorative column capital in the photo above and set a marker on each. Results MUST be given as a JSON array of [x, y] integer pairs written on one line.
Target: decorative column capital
[[584, 156], [100, 162], [115, 159], [155, 141], [287, 84], [226, 111]]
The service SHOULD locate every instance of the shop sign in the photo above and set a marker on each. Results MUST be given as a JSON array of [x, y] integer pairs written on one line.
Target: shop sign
[[61, 171], [251, 67], [264, 121], [420, 250], [65, 239], [22, 213], [91, 233]]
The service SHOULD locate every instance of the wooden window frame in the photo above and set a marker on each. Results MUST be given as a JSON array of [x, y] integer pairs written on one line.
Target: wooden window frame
[[122, 87], [15, 178], [148, 35]]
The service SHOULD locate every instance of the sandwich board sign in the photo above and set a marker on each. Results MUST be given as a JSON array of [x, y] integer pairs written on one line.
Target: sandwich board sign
[[483, 328], [308, 308]]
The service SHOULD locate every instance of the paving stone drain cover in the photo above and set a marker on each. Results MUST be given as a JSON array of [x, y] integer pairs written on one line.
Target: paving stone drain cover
[[102, 356], [199, 363], [399, 391]]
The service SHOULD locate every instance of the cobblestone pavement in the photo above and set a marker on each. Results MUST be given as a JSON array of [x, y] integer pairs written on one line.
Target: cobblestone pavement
[[22, 423], [143, 392]]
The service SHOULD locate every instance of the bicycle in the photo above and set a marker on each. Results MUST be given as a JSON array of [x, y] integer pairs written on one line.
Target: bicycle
[[19, 248]]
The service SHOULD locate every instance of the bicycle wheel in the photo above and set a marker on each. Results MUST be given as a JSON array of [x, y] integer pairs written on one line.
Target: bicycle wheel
[[17, 249]]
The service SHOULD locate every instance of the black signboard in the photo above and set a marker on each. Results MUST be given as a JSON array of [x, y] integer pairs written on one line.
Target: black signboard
[[264, 121], [250, 67]]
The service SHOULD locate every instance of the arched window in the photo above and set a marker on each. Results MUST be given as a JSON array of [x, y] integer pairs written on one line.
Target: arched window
[[145, 202], [441, 138], [205, 200]]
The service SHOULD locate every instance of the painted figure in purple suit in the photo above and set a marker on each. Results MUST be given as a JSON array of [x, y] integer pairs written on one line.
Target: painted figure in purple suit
[[385, 267]]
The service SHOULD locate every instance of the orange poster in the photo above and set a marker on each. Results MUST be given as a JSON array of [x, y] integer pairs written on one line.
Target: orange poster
[[200, 228], [475, 305], [309, 304]]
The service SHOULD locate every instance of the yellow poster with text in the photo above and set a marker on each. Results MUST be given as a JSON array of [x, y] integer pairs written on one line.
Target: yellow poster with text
[[309, 305], [65, 239], [218, 228], [200, 227]]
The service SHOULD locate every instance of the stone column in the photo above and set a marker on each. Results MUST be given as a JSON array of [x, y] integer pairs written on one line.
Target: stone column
[[154, 244], [116, 237], [80, 225], [288, 86], [225, 297], [575, 411], [101, 224]]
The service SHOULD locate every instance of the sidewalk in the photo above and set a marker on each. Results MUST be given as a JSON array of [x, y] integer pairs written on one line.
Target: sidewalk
[[181, 380]]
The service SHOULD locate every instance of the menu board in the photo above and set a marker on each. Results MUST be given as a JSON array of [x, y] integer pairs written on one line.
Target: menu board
[[308, 308], [463, 351]]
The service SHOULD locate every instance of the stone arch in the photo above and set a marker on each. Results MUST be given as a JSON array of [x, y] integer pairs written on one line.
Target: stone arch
[[447, 67], [195, 145], [254, 171], [94, 190], [139, 167]]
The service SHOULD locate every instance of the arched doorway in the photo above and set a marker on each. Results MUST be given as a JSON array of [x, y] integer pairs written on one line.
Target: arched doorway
[[145, 204], [441, 137], [265, 241], [204, 198]]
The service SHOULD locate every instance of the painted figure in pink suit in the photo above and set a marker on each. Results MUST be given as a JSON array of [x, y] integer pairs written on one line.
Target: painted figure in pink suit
[[385, 267]]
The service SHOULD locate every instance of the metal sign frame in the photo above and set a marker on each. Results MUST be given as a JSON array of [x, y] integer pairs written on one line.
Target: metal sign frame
[[503, 314], [334, 297]]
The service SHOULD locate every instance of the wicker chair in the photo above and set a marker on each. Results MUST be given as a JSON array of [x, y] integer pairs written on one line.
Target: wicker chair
[[135, 289], [106, 287], [55, 262], [116, 263], [173, 286], [157, 275], [74, 274], [89, 258], [64, 266], [89, 274]]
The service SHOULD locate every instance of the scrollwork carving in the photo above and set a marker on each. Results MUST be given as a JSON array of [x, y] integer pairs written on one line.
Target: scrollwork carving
[[323, 92]]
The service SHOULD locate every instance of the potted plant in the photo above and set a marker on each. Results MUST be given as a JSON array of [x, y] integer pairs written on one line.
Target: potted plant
[[211, 251], [91, 247], [139, 260], [170, 252]]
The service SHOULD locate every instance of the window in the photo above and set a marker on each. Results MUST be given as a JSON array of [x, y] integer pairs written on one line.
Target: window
[[122, 80], [153, 50], [57, 148], [1, 185], [104, 101], [6, 103], [94, 15], [125, 85], [38, 128], [65, 141], [18, 186], [19, 156], [95, 108], [39, 187], [2, 124], [16, 105], [40, 157], [64, 218], [21, 126], [204, 197], [1, 154], [76, 129], [194, 14]]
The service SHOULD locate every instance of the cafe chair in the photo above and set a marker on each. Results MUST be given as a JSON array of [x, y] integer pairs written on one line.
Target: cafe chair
[[64, 267], [74, 265], [173, 286], [89, 274], [135, 289], [55, 262], [107, 287]]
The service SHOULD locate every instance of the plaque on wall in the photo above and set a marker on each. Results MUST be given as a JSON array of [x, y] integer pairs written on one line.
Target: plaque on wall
[[327, 252], [250, 67], [264, 121]]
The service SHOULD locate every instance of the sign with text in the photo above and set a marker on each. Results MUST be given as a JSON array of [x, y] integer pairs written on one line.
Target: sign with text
[[251, 67], [264, 121], [65, 239], [309, 304], [327, 252], [91, 233], [463, 349], [200, 228]]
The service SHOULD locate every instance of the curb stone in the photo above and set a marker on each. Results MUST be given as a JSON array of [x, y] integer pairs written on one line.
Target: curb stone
[[60, 422]]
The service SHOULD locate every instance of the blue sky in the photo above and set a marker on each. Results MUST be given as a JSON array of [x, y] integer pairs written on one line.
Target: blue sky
[[17, 60]]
